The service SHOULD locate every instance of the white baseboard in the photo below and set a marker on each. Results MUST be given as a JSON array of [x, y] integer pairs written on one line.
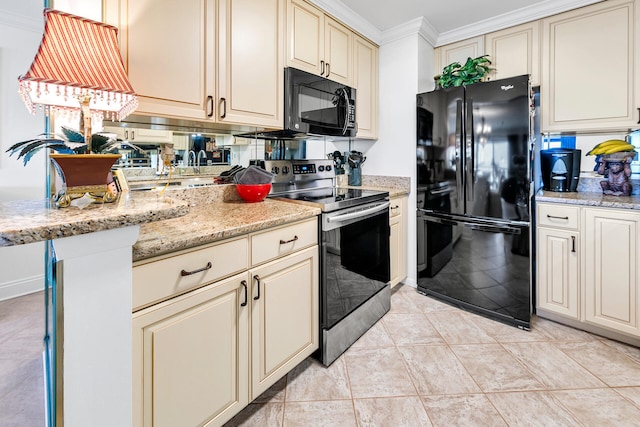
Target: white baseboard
[[21, 287]]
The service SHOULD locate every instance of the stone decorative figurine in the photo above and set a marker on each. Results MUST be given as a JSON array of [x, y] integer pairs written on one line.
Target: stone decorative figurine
[[618, 170]]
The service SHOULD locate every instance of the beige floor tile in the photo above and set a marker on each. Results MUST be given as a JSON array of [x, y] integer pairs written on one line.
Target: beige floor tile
[[407, 329], [391, 411], [259, 414], [532, 409], [459, 328], [377, 336], [429, 304], [275, 393], [632, 394], [502, 332], [553, 368], [332, 413], [378, 373], [436, 370], [311, 380], [629, 350], [401, 302], [462, 411], [558, 332], [495, 369], [607, 363], [599, 407]]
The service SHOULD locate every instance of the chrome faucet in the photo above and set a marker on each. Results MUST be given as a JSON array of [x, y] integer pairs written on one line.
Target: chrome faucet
[[192, 154], [204, 155]]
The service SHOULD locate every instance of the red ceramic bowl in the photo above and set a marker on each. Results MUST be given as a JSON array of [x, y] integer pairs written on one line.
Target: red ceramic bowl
[[253, 192]]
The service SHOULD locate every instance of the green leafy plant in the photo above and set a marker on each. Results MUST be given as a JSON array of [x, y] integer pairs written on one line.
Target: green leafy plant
[[69, 142], [471, 72]]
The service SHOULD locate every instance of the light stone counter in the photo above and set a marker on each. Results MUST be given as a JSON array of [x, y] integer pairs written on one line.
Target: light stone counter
[[590, 199], [29, 221], [216, 212], [395, 185]]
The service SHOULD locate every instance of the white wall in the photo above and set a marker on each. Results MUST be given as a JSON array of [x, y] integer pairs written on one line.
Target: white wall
[[406, 69], [21, 24]]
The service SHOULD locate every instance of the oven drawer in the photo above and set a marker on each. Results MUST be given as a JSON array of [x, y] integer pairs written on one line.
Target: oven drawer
[[558, 215], [281, 241], [161, 278]]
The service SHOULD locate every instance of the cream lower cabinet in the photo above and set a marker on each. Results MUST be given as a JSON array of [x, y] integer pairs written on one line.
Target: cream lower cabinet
[[208, 339], [612, 269], [398, 239], [587, 268]]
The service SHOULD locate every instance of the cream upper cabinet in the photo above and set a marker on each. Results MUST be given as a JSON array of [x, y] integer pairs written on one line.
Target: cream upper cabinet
[[318, 44], [398, 239], [166, 47], [365, 81], [611, 269], [250, 62], [140, 135], [515, 51], [590, 63], [458, 52], [558, 260]]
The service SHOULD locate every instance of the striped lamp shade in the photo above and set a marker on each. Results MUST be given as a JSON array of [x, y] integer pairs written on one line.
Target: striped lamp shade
[[78, 57]]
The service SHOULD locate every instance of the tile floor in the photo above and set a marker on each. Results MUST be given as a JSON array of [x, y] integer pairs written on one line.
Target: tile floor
[[424, 364]]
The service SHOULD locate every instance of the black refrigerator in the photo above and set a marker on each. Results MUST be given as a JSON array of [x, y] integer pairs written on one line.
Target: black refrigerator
[[475, 197]]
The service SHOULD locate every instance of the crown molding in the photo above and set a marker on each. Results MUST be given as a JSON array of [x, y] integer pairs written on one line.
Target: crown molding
[[346, 15], [12, 19], [419, 26], [520, 16]]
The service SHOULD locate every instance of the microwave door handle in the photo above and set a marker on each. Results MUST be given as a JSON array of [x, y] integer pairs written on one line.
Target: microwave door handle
[[346, 111]]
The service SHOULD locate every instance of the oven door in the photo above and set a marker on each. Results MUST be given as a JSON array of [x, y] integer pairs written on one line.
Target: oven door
[[316, 105], [355, 259]]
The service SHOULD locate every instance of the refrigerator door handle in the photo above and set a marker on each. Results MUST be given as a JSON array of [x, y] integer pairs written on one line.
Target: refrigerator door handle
[[488, 222], [459, 163], [470, 155]]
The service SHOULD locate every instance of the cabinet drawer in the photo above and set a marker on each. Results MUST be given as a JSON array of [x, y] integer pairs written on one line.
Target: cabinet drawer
[[558, 215], [396, 207], [160, 279], [281, 241]]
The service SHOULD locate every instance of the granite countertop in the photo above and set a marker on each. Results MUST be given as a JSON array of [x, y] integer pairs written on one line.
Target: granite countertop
[[590, 199], [215, 213], [395, 185], [30, 221]]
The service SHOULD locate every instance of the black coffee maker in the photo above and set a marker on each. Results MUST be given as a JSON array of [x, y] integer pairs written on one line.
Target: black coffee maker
[[560, 169]]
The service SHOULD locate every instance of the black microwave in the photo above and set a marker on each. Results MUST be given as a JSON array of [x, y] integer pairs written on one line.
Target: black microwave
[[315, 105]]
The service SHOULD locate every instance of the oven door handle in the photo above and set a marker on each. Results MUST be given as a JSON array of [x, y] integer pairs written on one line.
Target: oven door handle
[[358, 214]]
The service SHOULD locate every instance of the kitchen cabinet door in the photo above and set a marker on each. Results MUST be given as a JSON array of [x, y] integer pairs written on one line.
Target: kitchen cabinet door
[[251, 62], [458, 52], [558, 271], [338, 41], [166, 48], [140, 135], [611, 269], [305, 37], [365, 81], [190, 357], [604, 40], [398, 239], [515, 51], [284, 302]]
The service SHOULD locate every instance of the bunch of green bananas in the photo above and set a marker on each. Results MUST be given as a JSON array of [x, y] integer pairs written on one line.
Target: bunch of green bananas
[[611, 146]]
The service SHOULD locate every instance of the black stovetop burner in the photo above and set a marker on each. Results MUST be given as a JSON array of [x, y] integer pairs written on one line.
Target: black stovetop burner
[[333, 198]]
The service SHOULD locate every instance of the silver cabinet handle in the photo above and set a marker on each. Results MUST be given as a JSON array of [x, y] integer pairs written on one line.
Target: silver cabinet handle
[[284, 242], [189, 273]]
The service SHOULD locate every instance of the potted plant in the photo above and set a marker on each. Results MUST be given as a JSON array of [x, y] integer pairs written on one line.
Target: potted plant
[[455, 74], [80, 175]]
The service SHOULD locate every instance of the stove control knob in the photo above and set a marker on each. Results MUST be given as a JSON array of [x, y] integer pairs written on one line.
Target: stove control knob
[[285, 170], [320, 168], [275, 170], [328, 168]]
